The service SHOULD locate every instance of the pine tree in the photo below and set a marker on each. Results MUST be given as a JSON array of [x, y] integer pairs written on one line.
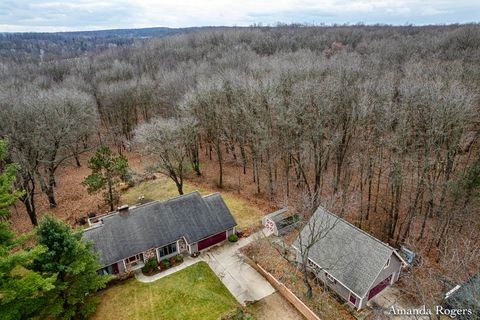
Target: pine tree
[[21, 289], [108, 170], [8, 195], [75, 265]]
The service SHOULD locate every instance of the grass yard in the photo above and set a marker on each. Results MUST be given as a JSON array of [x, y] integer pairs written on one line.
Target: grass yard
[[192, 293], [163, 188]]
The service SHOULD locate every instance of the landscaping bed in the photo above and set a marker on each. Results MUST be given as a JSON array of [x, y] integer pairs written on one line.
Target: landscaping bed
[[152, 266], [192, 293]]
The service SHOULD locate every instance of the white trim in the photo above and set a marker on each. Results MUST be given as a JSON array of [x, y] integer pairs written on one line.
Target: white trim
[[357, 298], [400, 257], [224, 231], [387, 264], [158, 250], [346, 287], [371, 285]]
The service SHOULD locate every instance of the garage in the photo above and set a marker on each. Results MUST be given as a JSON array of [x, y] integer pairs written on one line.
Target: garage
[[210, 241], [379, 287]]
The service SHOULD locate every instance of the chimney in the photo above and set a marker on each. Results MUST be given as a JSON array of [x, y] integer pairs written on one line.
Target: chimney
[[123, 210]]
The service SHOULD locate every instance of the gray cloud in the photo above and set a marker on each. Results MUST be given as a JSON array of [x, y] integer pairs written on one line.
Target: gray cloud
[[31, 15]]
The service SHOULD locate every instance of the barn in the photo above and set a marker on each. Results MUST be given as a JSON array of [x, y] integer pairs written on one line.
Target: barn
[[187, 224]]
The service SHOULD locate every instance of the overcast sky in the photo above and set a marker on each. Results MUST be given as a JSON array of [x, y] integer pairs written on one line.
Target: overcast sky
[[32, 15]]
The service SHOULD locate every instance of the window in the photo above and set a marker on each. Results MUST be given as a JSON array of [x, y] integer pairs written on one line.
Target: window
[[167, 250], [315, 268], [387, 264], [330, 278], [352, 299], [134, 258]]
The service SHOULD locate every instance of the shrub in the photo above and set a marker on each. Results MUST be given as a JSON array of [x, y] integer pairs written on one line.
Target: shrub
[[150, 265], [153, 263], [179, 258], [233, 238], [165, 264]]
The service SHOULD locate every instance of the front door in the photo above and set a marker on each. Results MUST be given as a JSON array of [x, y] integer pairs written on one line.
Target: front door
[[115, 268]]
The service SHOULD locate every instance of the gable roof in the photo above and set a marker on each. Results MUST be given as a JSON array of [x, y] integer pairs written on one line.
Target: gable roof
[[350, 255], [156, 224]]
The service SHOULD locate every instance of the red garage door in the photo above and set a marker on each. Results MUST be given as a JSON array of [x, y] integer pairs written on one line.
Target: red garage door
[[379, 287], [210, 241]]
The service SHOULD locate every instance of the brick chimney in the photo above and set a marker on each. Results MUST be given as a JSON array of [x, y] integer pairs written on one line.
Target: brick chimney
[[123, 210]]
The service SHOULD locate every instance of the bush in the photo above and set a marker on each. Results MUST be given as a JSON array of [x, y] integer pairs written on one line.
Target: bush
[[165, 264], [150, 265], [153, 263], [233, 238], [179, 258]]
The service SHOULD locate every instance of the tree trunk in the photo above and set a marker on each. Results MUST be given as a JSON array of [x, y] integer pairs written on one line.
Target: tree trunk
[[110, 194], [244, 158], [369, 192], [29, 200], [220, 163]]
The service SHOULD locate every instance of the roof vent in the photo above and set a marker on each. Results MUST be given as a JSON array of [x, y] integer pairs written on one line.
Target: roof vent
[[123, 210]]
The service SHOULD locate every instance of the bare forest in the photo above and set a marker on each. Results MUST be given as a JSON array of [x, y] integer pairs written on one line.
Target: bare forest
[[379, 123]]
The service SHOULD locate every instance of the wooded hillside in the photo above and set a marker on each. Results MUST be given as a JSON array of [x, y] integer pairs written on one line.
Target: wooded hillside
[[379, 123]]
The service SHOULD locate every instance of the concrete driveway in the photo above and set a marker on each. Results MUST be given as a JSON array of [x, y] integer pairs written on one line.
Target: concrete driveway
[[244, 282], [389, 298]]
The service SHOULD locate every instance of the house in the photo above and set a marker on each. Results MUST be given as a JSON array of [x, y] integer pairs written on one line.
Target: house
[[125, 239], [351, 262], [464, 299]]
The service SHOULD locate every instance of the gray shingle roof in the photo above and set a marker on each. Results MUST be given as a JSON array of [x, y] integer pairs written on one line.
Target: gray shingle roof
[[157, 224], [350, 255]]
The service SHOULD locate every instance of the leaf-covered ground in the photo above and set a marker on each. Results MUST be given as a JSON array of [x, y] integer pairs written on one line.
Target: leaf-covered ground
[[163, 188]]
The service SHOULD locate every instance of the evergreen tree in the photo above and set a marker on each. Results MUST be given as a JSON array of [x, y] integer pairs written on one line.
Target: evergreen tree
[[21, 289], [75, 265], [8, 195], [108, 170]]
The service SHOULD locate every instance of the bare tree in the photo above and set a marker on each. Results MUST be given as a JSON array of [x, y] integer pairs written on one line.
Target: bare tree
[[169, 143]]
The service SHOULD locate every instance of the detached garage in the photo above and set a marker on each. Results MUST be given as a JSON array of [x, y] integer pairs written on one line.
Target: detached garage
[[354, 264]]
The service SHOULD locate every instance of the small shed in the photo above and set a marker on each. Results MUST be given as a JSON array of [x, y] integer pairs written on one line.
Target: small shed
[[280, 221]]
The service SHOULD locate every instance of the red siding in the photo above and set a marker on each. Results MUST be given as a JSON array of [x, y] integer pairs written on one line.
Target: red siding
[[379, 287], [210, 241]]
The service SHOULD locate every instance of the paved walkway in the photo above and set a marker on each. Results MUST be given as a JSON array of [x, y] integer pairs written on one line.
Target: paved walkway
[[186, 263], [244, 282]]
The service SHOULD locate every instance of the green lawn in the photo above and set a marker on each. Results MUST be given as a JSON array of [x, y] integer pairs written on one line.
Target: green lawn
[[163, 188], [192, 293]]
